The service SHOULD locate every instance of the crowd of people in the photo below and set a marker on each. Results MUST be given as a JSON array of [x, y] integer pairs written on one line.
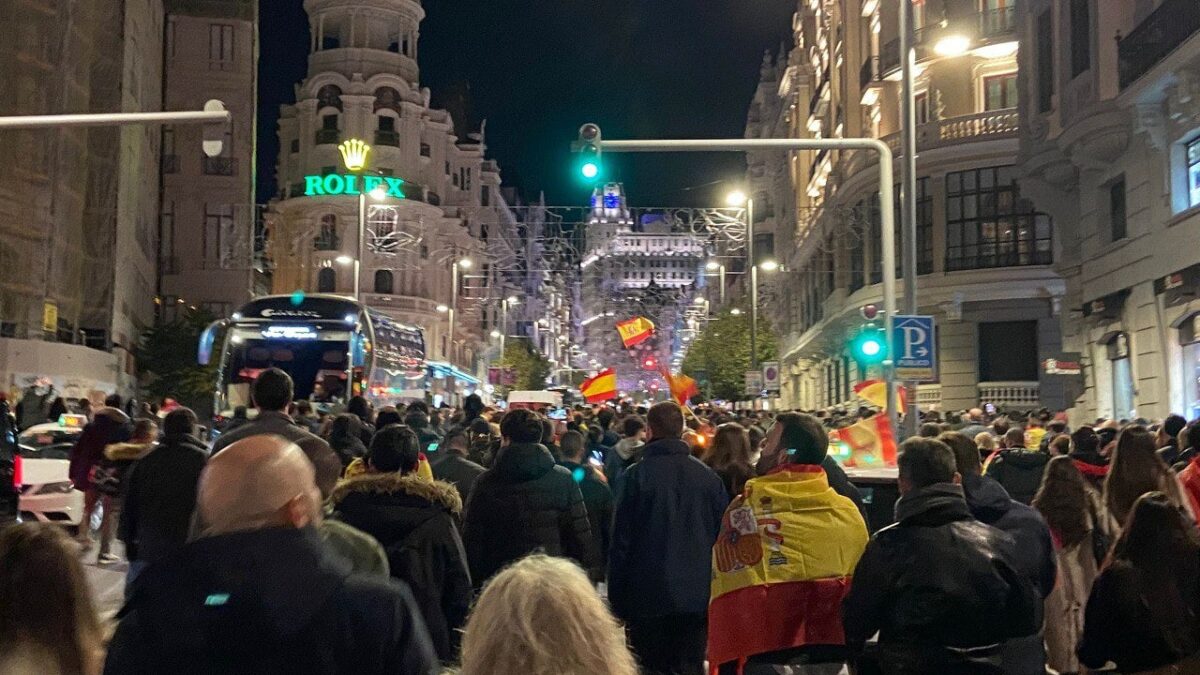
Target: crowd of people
[[622, 540]]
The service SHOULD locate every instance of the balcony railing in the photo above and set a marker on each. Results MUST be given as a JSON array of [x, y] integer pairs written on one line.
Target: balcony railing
[[929, 396], [985, 26], [327, 136], [996, 23], [220, 166], [389, 138], [1165, 29], [965, 128], [1010, 394]]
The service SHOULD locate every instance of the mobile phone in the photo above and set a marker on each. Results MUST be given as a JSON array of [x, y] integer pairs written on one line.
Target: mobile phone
[[557, 414], [990, 408]]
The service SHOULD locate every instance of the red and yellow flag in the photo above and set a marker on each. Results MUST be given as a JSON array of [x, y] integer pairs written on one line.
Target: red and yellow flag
[[635, 331], [875, 393], [600, 387], [682, 387], [870, 442]]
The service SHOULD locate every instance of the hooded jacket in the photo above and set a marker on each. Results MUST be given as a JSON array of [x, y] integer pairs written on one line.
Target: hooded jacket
[[267, 601], [118, 458], [623, 455], [457, 471], [109, 425], [943, 590], [1019, 471], [991, 505], [525, 503], [414, 520], [160, 495], [275, 423]]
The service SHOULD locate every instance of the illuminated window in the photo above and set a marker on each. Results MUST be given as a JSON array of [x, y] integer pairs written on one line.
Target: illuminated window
[[1000, 92], [1193, 171], [988, 224]]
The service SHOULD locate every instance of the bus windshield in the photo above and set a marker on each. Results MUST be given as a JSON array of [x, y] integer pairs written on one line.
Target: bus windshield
[[317, 366]]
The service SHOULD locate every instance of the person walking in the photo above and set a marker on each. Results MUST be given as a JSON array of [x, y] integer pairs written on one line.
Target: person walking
[[597, 497], [452, 465], [259, 591], [345, 439], [1137, 469], [1143, 613], [943, 590], [666, 519], [272, 394], [782, 564], [109, 480], [414, 520], [524, 503], [730, 457], [1082, 533], [110, 425], [627, 451], [1018, 469], [542, 616], [990, 504], [1167, 439]]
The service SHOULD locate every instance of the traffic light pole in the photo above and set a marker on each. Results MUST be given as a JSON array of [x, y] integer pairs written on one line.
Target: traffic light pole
[[886, 199]]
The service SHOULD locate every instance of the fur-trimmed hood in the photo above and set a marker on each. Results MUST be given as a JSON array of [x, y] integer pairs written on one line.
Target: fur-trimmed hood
[[127, 452], [435, 492]]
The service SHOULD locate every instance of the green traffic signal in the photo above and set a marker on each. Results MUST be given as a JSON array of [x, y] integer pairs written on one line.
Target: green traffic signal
[[590, 169], [868, 346], [588, 146]]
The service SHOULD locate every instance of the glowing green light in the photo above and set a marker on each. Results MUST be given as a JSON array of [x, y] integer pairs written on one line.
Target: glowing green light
[[589, 170], [298, 297], [871, 348]]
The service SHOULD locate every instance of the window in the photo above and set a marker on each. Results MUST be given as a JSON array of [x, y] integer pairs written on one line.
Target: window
[[383, 281], [426, 151], [326, 280], [1081, 37], [921, 107], [485, 195], [166, 242], [918, 14], [217, 236], [1008, 351], [329, 122], [387, 123], [989, 225], [1189, 340], [1193, 172], [1000, 92], [327, 239], [295, 146], [1045, 61], [858, 237], [1116, 209], [1117, 350], [220, 46]]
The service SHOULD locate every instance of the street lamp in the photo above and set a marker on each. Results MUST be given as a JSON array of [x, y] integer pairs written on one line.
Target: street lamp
[[343, 259], [952, 45], [737, 198], [504, 305], [735, 311], [714, 266], [463, 263]]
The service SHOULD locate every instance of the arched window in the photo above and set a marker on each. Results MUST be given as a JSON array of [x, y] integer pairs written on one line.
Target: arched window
[[383, 281], [327, 239], [329, 96], [326, 280], [387, 98]]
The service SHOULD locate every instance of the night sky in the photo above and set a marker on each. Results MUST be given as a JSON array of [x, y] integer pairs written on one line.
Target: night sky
[[537, 69]]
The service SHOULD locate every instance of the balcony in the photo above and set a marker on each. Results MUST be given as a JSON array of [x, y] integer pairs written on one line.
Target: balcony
[[1010, 394], [993, 124], [388, 138], [220, 166], [327, 137], [1151, 41], [993, 25], [869, 72]]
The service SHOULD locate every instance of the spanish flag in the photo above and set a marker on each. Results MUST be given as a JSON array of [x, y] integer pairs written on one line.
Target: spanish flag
[[600, 387], [875, 393], [870, 442], [635, 331], [682, 387]]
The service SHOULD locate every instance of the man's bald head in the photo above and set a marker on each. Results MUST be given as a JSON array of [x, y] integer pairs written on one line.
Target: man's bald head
[[975, 415], [256, 483]]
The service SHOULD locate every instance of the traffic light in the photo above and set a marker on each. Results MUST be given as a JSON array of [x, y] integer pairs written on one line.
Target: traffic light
[[590, 167], [869, 345]]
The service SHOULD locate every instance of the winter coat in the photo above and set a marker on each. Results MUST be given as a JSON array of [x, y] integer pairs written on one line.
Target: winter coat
[[1077, 569], [525, 503], [358, 548], [624, 454], [1189, 482], [414, 520], [598, 499], [276, 423], [1142, 619], [667, 515], [1093, 466], [1019, 471], [991, 505], [943, 590], [276, 600], [109, 477], [160, 495], [110, 425], [457, 471], [347, 448]]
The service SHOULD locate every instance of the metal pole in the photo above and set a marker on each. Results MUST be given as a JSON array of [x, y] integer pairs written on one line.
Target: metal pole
[[908, 192], [722, 284], [113, 119], [453, 303], [362, 228], [753, 284], [886, 196], [503, 326]]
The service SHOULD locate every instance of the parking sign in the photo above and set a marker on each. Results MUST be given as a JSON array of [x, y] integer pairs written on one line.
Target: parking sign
[[916, 348]]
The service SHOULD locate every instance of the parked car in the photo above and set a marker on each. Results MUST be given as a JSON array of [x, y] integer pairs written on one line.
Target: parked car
[[40, 472]]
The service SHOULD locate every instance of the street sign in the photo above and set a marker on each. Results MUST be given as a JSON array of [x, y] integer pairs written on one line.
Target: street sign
[[754, 383], [770, 375], [50, 316], [916, 349]]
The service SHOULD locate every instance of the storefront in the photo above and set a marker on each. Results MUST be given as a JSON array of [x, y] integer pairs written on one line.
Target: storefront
[[1178, 294]]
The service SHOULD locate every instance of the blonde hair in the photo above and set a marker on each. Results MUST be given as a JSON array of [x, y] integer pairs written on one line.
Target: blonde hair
[[985, 441], [541, 616]]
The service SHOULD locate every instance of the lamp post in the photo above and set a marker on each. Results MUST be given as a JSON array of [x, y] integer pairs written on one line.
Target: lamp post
[[504, 305], [378, 194], [464, 263], [908, 189], [714, 266]]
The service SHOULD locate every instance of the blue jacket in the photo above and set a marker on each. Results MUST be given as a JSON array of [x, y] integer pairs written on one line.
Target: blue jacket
[[667, 516]]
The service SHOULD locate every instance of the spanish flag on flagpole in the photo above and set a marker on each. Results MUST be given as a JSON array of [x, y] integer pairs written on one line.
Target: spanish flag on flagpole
[[875, 393], [600, 387], [870, 442], [635, 331], [682, 387]]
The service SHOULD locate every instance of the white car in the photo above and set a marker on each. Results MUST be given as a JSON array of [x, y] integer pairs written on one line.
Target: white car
[[41, 473]]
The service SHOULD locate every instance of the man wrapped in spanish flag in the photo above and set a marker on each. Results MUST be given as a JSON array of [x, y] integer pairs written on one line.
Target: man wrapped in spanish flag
[[783, 561]]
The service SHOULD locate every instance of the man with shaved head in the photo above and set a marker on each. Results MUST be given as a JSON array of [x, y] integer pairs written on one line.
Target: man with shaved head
[[259, 591]]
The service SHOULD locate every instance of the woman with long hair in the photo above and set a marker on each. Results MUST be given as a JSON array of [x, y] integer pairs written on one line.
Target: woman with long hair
[[1137, 469], [729, 457], [1081, 530], [1143, 613], [47, 622], [541, 616]]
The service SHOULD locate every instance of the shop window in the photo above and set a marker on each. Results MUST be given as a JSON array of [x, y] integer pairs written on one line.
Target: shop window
[[1189, 340], [326, 280], [1117, 349], [1193, 172]]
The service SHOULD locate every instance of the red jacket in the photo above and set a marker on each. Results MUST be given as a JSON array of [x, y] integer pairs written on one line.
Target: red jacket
[[1189, 478]]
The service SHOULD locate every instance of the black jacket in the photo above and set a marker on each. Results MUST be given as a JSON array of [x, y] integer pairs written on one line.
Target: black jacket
[[160, 495], [667, 516], [267, 601], [1141, 619], [347, 448], [1020, 472], [990, 504], [414, 520], [457, 471], [327, 465], [840, 482], [525, 503], [598, 499], [943, 589]]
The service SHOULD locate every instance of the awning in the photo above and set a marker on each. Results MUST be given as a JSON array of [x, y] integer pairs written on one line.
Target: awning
[[1107, 307], [441, 369]]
